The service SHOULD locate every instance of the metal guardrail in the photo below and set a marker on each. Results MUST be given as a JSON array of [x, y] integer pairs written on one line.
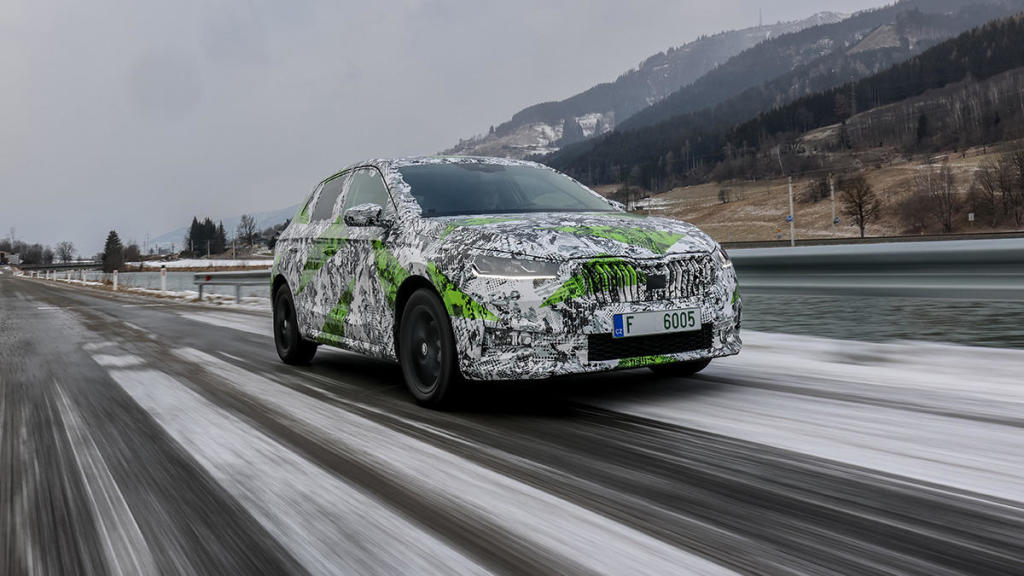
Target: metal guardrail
[[964, 269], [56, 266], [847, 240], [959, 269], [236, 279]]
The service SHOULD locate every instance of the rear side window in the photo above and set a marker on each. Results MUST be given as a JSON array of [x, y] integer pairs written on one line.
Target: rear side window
[[367, 187], [328, 196]]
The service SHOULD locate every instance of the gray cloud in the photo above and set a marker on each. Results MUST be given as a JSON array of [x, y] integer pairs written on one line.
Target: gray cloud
[[135, 116]]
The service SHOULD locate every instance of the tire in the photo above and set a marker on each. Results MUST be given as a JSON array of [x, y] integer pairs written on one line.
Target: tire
[[291, 346], [426, 350], [680, 369]]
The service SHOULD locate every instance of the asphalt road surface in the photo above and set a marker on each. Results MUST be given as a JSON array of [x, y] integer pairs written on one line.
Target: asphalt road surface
[[139, 436]]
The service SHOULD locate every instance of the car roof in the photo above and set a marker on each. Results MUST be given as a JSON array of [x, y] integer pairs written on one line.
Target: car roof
[[395, 163]]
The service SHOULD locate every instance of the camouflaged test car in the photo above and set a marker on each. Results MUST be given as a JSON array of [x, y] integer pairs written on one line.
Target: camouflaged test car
[[490, 269]]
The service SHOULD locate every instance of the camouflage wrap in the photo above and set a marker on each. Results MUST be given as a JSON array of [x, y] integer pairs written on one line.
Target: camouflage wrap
[[347, 281]]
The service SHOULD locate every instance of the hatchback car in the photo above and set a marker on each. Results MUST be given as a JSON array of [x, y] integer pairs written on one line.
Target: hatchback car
[[490, 269]]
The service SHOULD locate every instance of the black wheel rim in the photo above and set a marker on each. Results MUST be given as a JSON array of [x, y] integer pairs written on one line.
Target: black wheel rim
[[424, 351], [285, 321]]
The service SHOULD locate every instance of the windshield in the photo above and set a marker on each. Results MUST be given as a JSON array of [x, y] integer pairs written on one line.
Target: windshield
[[461, 189]]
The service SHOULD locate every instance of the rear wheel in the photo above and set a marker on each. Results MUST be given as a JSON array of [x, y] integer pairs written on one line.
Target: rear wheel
[[680, 369], [426, 350], [291, 346]]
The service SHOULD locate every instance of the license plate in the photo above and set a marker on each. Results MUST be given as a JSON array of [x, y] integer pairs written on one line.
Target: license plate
[[666, 322]]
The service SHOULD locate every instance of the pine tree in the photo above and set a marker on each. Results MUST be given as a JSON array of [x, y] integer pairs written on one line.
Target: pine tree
[[113, 253], [220, 239]]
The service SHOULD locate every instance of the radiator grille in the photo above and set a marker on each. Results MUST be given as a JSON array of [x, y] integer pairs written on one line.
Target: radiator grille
[[621, 280]]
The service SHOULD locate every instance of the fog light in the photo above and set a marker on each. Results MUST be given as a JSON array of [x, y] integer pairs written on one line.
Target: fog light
[[504, 338]]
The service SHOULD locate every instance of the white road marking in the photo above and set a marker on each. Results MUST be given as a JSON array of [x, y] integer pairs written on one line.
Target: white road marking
[[123, 544], [329, 526], [94, 346], [123, 361], [243, 323], [562, 528]]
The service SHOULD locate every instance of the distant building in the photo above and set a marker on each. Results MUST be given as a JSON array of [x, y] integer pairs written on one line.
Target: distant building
[[10, 259]]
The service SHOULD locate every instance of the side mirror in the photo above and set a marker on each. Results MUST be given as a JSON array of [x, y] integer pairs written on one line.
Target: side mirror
[[365, 215]]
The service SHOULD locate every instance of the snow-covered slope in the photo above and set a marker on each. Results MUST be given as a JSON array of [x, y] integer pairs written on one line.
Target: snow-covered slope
[[541, 128]]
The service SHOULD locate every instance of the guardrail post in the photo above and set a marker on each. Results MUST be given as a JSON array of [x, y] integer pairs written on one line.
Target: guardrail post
[[238, 293], [163, 278], [201, 291], [115, 280]]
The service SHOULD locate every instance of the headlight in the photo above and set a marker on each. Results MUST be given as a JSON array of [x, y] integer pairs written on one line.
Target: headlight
[[722, 257], [497, 267]]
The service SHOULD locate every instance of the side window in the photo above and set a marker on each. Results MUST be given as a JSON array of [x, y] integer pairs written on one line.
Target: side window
[[328, 196], [367, 187]]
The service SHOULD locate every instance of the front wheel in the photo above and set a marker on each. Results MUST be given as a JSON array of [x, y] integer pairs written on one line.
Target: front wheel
[[291, 346], [680, 369], [426, 350]]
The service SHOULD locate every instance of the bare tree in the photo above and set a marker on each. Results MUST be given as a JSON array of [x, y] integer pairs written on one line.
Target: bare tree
[[988, 189], [65, 251], [1015, 187], [246, 229], [132, 252], [945, 198], [860, 202]]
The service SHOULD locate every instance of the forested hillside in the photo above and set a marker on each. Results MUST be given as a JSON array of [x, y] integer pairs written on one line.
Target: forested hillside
[[691, 146]]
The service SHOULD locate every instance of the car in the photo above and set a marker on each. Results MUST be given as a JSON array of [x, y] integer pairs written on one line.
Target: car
[[480, 269]]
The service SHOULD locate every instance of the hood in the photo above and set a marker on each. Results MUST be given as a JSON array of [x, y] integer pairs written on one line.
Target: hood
[[564, 236]]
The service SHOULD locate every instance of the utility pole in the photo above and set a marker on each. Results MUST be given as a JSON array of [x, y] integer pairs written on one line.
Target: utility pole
[[832, 193], [792, 220]]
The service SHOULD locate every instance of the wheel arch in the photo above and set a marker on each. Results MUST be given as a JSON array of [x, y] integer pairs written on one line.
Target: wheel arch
[[276, 284], [408, 287]]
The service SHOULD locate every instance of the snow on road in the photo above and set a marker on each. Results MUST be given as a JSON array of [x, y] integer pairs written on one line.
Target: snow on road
[[951, 415], [554, 527]]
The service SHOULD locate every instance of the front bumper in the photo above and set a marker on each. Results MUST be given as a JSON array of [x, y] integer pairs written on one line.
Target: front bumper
[[499, 351]]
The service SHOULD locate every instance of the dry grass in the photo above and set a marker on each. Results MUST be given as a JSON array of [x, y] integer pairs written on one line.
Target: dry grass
[[757, 210]]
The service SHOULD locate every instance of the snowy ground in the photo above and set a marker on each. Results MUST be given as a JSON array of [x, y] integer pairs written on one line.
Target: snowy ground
[[173, 440]]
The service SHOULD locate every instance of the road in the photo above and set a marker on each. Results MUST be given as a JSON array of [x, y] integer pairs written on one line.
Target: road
[[140, 436]]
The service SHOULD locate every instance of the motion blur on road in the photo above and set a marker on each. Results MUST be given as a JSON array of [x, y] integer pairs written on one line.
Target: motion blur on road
[[859, 164], [141, 436]]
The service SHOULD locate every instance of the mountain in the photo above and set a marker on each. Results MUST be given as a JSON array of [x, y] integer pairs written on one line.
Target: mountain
[[657, 149], [263, 220], [863, 32], [541, 128]]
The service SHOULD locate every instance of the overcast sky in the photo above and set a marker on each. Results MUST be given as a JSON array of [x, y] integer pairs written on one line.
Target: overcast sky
[[135, 116]]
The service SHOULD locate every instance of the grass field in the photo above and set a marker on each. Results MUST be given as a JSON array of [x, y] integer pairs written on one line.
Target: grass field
[[757, 210]]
